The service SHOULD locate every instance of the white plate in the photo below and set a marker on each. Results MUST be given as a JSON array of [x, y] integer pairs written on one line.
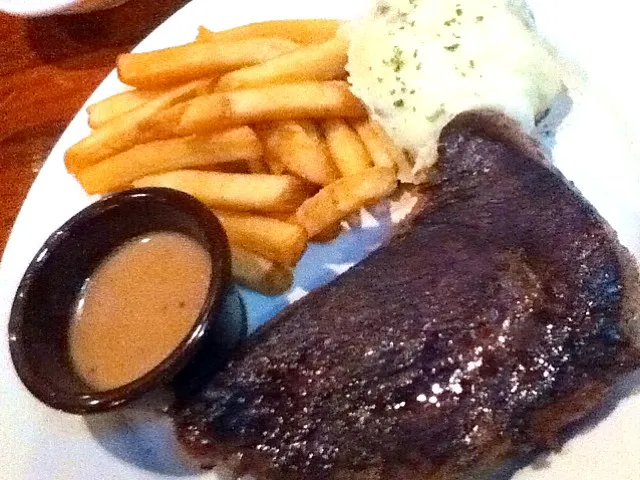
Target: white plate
[[594, 148]]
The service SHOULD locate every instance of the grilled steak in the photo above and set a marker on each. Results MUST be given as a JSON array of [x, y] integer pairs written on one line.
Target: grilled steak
[[498, 318]]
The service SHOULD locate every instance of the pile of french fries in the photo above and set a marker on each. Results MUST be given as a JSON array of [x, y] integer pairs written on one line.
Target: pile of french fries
[[257, 122]]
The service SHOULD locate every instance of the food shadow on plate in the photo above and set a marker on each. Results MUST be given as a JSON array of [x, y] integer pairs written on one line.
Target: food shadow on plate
[[364, 232], [142, 435], [626, 386], [548, 122]]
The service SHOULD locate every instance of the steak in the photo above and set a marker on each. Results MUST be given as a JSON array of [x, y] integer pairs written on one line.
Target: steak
[[501, 315]]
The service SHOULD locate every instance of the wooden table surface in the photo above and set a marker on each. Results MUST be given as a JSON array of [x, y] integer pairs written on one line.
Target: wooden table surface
[[48, 68]]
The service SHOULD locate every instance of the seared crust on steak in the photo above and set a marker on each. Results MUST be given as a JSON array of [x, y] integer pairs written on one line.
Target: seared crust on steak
[[500, 317]]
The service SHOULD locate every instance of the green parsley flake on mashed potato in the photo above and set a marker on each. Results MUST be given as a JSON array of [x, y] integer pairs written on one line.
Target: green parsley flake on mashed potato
[[418, 63]]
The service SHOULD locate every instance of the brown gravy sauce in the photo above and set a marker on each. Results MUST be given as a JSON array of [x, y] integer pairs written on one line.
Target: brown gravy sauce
[[137, 307]]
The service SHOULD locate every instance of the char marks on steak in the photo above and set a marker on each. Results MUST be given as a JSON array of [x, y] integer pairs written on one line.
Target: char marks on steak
[[497, 319]]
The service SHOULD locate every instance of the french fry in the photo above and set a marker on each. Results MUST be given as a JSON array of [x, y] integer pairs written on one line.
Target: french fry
[[272, 102], [105, 110], [259, 123], [396, 153], [125, 131], [284, 217], [162, 124], [347, 150], [312, 130], [258, 273], [235, 191], [343, 197], [276, 167], [301, 31], [257, 165], [325, 61], [119, 171], [182, 64], [289, 144], [228, 167], [272, 239], [381, 150], [329, 234]]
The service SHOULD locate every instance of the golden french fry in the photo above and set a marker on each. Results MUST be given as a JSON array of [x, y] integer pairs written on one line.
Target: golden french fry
[[325, 61], [273, 162], [395, 152], [105, 110], [347, 150], [228, 167], [235, 191], [381, 153], [312, 130], [162, 124], [329, 234], [275, 166], [257, 165], [301, 31], [119, 171], [125, 131], [205, 35], [258, 273], [291, 101], [289, 144], [343, 197], [284, 217], [273, 239], [196, 60]]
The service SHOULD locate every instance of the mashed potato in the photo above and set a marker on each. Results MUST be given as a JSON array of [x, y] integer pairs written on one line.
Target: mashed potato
[[418, 63]]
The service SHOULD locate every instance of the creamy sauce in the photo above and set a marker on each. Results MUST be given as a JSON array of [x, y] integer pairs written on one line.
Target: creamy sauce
[[137, 307]]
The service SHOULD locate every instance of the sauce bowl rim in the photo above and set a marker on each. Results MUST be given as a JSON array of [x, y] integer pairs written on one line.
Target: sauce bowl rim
[[91, 401]]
